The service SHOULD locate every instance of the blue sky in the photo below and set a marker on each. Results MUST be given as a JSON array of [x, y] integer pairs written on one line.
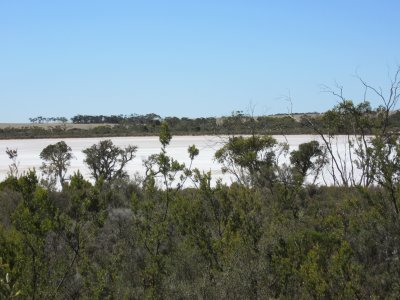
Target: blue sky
[[189, 58]]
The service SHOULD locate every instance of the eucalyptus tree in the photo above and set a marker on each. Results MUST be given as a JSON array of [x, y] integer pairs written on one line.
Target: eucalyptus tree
[[309, 158], [13, 168], [360, 124], [57, 158], [249, 159], [108, 161], [152, 213]]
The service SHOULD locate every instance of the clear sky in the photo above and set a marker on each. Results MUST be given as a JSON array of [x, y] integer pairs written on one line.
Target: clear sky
[[189, 58]]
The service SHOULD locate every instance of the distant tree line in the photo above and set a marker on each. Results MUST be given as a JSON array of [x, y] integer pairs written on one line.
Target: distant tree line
[[116, 119], [41, 120], [237, 123]]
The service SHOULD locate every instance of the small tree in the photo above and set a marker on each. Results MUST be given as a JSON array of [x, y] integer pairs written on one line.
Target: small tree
[[152, 213], [57, 159], [249, 159], [309, 158], [13, 168], [107, 161]]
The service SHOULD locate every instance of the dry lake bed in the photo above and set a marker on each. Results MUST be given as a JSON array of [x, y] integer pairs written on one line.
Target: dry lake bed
[[29, 150]]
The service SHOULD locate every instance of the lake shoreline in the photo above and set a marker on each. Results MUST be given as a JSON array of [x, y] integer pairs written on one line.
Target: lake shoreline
[[233, 125], [152, 135]]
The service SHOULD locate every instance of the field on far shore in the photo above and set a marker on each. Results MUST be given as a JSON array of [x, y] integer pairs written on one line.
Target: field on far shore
[[52, 125]]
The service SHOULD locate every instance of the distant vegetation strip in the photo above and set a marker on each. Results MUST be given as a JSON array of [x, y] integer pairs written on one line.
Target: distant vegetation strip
[[149, 125]]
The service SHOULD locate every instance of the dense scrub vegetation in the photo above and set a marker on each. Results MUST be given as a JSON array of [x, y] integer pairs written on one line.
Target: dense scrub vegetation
[[270, 234], [123, 240]]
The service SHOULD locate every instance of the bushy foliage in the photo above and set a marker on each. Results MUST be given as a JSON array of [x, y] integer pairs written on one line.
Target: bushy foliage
[[207, 242], [271, 234], [56, 159], [142, 239], [107, 161]]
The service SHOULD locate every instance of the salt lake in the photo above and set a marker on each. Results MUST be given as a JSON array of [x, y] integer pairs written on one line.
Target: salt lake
[[29, 150]]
